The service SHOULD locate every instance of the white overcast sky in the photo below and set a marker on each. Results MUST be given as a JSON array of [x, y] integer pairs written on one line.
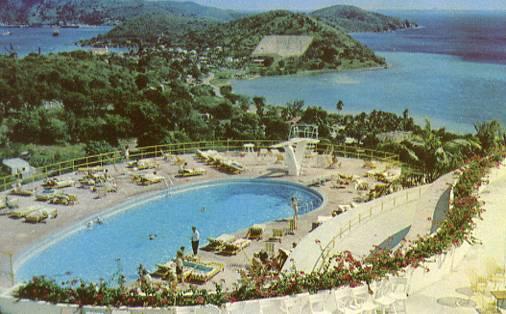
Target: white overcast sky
[[366, 4]]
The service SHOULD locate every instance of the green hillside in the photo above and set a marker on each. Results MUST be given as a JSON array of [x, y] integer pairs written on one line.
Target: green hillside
[[330, 49], [97, 12], [353, 19], [149, 28]]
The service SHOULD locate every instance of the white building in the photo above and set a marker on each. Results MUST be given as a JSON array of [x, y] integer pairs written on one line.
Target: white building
[[18, 165]]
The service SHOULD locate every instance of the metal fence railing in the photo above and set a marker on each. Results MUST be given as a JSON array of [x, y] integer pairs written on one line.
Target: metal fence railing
[[366, 213], [114, 157]]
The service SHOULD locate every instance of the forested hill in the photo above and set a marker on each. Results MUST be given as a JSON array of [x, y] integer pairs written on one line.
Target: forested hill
[[95, 12], [354, 19], [329, 49]]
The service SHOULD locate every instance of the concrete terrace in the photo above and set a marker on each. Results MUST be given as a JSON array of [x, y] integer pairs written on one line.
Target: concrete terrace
[[18, 237]]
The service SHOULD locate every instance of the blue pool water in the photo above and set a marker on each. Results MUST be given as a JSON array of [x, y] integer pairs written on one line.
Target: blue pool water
[[122, 241]]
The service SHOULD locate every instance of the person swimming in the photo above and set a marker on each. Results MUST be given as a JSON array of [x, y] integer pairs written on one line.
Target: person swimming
[[152, 236]]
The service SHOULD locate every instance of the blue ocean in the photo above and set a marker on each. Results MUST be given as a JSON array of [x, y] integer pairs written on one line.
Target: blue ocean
[[451, 70], [30, 39]]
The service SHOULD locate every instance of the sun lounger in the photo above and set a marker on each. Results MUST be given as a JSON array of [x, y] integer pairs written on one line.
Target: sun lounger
[[277, 235], [90, 169], [41, 214], [8, 202], [235, 247], [64, 199], [143, 164], [21, 192], [148, 179], [191, 172], [45, 195], [255, 232], [320, 220], [23, 212], [232, 166], [216, 244], [56, 183]]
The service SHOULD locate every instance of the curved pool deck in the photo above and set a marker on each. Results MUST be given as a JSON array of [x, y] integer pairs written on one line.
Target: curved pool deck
[[18, 237], [124, 233]]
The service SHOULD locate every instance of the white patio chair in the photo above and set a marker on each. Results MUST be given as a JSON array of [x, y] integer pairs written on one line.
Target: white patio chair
[[208, 309], [399, 293], [298, 304], [243, 307], [322, 302], [383, 297], [362, 301], [274, 306], [342, 299]]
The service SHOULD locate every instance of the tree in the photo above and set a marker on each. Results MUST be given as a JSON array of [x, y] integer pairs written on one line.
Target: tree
[[340, 105], [490, 134], [260, 105]]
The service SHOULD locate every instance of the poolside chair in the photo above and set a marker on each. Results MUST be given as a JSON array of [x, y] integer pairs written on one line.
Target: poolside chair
[[8, 203], [21, 192], [291, 227], [322, 303], [64, 199], [255, 232], [269, 248], [277, 235], [274, 306], [22, 212], [362, 301], [235, 247], [191, 172], [179, 161], [45, 195], [41, 214], [148, 179], [383, 297], [243, 307], [298, 304], [143, 164], [57, 183], [216, 244]]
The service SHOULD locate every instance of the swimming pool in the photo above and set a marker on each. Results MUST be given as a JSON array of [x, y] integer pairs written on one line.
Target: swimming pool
[[122, 242]]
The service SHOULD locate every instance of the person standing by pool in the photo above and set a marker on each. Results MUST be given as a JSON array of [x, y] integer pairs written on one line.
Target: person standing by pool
[[195, 240], [179, 266], [295, 207]]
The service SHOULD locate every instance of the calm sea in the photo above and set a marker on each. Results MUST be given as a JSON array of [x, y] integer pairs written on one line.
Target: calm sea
[[26, 40], [451, 70]]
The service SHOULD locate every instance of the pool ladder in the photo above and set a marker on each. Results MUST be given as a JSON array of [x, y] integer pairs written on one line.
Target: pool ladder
[[169, 183]]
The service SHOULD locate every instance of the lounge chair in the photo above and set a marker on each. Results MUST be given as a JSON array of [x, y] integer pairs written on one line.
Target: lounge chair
[[232, 166], [216, 244], [23, 212], [255, 232], [143, 164], [235, 247], [8, 202], [21, 192], [64, 199], [320, 220], [191, 172], [56, 183], [148, 179], [179, 161], [277, 235], [41, 214], [45, 195], [90, 169]]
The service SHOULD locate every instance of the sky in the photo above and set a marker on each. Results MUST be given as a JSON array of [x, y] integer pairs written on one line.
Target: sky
[[366, 4]]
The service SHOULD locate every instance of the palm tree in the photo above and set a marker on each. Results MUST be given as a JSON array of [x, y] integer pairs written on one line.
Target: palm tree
[[490, 134], [340, 105], [429, 153]]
